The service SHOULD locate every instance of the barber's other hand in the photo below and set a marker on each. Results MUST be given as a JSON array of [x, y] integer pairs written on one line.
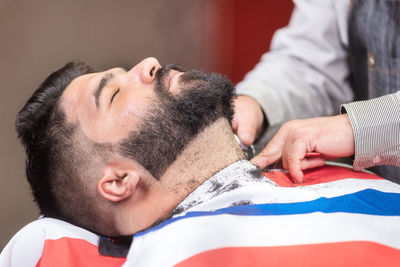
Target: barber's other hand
[[248, 120], [332, 137]]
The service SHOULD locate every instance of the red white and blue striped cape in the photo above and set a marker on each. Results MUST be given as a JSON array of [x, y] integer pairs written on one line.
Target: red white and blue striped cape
[[338, 217], [51, 242]]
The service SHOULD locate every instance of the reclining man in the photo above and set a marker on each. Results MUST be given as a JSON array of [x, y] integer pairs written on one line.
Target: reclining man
[[150, 152]]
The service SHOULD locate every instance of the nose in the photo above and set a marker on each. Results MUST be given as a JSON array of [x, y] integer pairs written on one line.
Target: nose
[[146, 69]]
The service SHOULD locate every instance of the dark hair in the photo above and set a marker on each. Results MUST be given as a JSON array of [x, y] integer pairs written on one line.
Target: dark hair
[[55, 162]]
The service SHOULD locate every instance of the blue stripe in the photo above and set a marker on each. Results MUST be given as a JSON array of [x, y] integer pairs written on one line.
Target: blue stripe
[[367, 201]]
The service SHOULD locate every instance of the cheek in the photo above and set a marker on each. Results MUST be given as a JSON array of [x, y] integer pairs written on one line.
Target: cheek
[[125, 115], [128, 117], [132, 110], [135, 101]]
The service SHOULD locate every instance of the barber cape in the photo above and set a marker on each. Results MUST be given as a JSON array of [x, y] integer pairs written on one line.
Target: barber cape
[[239, 217], [51, 242]]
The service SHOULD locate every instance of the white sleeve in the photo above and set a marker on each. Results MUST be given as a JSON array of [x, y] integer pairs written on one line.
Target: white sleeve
[[306, 72]]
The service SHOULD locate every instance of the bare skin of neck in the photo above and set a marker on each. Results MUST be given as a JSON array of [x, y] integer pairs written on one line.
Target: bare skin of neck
[[212, 150]]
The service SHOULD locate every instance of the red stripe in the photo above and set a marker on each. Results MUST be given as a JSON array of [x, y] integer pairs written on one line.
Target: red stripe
[[68, 252], [316, 255], [319, 175]]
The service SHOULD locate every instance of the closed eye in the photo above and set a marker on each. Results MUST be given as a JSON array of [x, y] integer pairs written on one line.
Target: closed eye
[[112, 97]]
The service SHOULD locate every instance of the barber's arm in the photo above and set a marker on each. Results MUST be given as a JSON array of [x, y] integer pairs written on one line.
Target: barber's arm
[[370, 131], [304, 75]]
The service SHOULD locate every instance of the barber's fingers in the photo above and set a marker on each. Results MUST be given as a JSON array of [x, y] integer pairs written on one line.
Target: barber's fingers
[[305, 164], [270, 154], [293, 152], [295, 159], [246, 130], [273, 150], [332, 137], [263, 159], [248, 119], [309, 163]]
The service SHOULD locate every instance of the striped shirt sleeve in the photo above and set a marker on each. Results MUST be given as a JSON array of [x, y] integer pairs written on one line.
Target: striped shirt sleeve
[[376, 126]]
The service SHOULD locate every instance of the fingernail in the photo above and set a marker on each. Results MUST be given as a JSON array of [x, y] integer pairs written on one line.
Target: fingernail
[[256, 162], [247, 138]]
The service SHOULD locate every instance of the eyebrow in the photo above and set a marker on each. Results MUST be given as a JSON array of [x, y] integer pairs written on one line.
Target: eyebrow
[[103, 82]]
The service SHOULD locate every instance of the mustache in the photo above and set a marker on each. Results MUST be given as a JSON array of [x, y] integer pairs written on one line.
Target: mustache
[[163, 71]]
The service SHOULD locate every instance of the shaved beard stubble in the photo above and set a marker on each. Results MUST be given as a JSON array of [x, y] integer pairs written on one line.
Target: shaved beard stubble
[[175, 120]]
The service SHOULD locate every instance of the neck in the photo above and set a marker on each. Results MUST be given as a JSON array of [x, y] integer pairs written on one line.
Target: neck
[[212, 150]]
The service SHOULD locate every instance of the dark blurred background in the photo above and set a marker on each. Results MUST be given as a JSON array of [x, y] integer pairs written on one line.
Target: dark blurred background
[[37, 37]]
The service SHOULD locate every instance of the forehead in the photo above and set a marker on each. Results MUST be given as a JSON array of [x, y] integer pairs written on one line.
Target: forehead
[[101, 122], [78, 90], [79, 105], [82, 90], [87, 83]]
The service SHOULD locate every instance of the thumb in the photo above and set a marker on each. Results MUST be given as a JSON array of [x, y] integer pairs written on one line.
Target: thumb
[[248, 119], [263, 159], [246, 129], [272, 152], [243, 130], [246, 134]]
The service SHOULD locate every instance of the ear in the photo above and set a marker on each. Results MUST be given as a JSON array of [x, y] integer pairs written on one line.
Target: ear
[[118, 182]]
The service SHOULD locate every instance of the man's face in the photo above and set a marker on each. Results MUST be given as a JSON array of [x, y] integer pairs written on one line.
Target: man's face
[[107, 105], [152, 113]]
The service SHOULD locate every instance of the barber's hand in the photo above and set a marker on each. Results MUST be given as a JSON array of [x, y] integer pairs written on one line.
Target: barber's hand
[[332, 137], [248, 120]]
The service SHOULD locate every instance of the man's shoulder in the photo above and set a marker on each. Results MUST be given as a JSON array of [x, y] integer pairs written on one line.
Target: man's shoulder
[[41, 241], [50, 228]]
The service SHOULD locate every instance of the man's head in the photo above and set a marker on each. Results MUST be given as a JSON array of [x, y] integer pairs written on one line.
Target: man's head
[[90, 138]]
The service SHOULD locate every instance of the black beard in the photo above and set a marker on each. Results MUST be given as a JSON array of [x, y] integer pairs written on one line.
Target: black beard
[[175, 120]]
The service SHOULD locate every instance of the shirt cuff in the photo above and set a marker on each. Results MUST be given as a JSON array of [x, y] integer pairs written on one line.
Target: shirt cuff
[[376, 127]]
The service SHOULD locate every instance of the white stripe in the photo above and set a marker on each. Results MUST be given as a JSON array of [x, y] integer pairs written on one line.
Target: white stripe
[[267, 193], [185, 238], [55, 229], [26, 247]]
